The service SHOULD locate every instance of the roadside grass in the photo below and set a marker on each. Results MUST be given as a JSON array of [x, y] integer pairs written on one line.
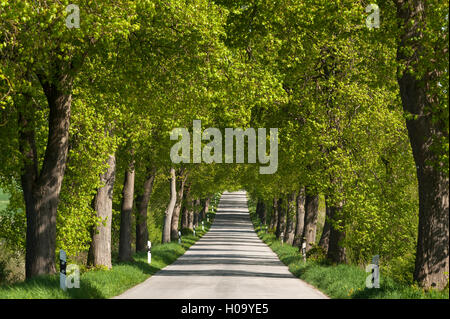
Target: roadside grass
[[102, 283], [341, 281]]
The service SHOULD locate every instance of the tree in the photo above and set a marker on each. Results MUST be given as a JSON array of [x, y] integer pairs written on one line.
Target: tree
[[186, 207], [205, 207], [423, 41], [100, 248], [336, 250], [46, 56], [170, 207], [181, 180], [275, 214], [300, 217], [261, 210], [142, 201], [311, 214], [325, 237], [125, 253], [290, 219], [197, 210]]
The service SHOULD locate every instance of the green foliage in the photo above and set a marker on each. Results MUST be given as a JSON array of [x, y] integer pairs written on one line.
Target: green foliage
[[4, 200], [138, 69], [344, 281], [13, 222], [11, 264], [99, 283], [317, 253], [342, 130], [4, 272]]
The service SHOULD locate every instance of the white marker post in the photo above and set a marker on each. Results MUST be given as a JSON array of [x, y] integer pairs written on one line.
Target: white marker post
[[203, 226], [194, 230], [149, 252], [376, 271], [62, 269], [179, 237], [304, 251]]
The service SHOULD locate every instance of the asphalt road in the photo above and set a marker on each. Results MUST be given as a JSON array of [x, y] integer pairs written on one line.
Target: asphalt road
[[229, 262]]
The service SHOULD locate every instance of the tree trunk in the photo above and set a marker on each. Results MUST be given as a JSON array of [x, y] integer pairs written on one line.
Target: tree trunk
[[325, 238], [336, 252], [177, 209], [141, 217], [185, 210], [258, 208], [41, 189], [205, 209], [100, 248], [125, 253], [170, 207], [281, 225], [190, 214], [197, 208], [290, 216], [261, 210], [311, 214], [300, 217], [425, 128], [184, 221], [274, 219]]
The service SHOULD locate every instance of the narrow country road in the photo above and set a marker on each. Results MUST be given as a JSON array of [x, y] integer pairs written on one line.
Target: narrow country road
[[229, 262]]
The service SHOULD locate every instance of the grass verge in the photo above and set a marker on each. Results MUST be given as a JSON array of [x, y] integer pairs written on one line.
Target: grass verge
[[341, 281], [101, 283]]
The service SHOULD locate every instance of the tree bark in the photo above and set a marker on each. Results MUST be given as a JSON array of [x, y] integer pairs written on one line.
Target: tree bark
[[258, 208], [41, 189], [311, 214], [261, 210], [290, 220], [274, 219], [426, 127], [170, 207], [190, 214], [100, 248], [177, 209], [281, 225], [197, 208], [205, 209], [300, 217], [336, 252], [142, 201], [125, 253], [185, 204], [325, 238]]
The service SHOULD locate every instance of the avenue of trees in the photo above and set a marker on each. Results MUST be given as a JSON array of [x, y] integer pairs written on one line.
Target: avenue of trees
[[362, 117]]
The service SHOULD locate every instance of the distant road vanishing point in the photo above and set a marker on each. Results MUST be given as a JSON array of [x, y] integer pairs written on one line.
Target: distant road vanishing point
[[229, 262]]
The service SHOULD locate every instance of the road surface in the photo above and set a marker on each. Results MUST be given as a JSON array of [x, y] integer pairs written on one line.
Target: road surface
[[229, 262]]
